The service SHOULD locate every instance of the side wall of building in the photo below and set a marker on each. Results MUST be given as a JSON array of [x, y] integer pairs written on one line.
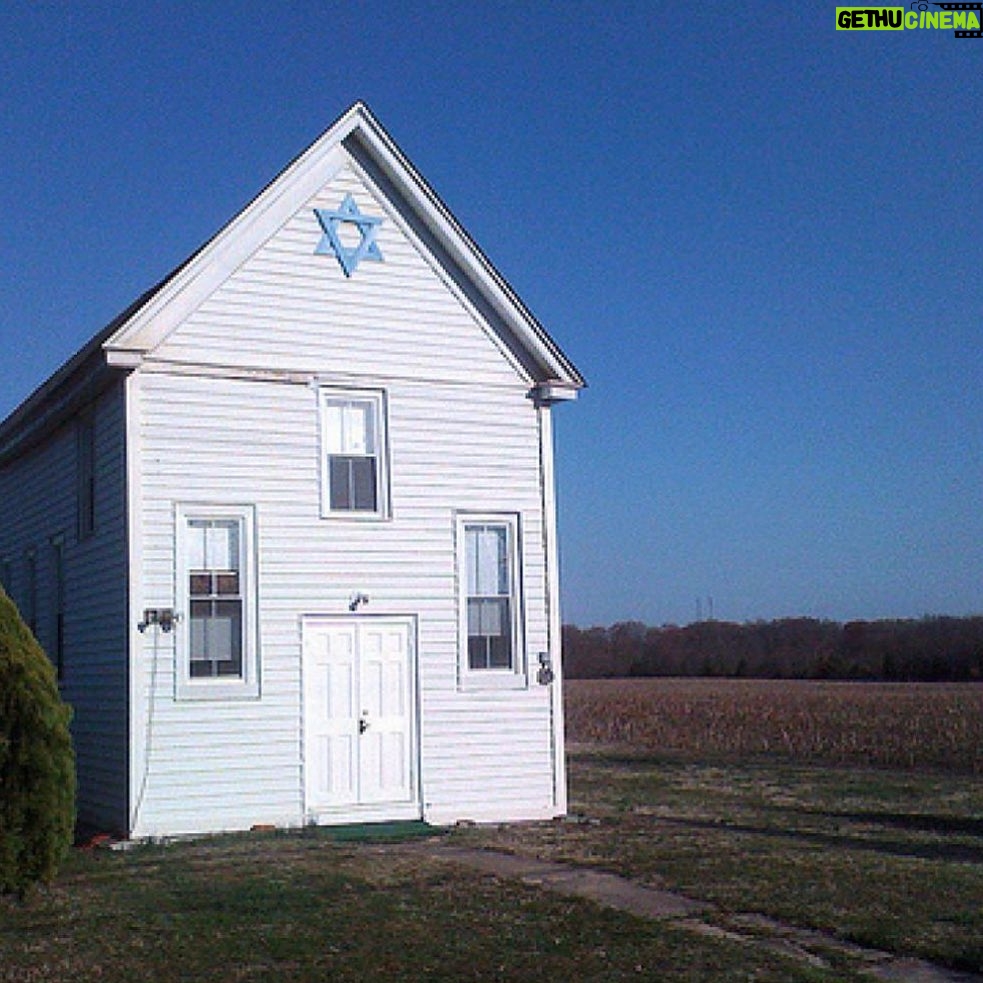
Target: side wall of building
[[40, 520]]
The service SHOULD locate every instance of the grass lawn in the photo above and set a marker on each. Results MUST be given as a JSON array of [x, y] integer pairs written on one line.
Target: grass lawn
[[306, 907], [888, 858]]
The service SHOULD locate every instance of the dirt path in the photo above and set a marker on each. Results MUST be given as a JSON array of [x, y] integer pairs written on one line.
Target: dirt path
[[806, 946]]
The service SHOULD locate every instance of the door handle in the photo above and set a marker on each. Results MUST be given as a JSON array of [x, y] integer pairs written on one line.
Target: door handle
[[363, 725]]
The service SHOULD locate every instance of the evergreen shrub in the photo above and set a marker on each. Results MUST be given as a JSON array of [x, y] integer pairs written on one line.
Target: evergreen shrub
[[37, 762]]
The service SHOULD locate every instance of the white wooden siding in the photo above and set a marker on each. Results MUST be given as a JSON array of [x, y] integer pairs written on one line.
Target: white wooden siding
[[39, 495], [289, 308], [214, 764]]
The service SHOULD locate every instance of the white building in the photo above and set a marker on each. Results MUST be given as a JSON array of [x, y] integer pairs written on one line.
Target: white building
[[286, 525]]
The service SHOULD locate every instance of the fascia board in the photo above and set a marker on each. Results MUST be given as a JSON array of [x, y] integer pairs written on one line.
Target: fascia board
[[554, 391], [459, 245]]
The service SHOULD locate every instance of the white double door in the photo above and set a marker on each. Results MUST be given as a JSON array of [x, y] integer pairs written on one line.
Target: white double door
[[359, 718]]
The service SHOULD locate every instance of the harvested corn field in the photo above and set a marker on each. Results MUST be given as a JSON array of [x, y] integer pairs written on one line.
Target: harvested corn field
[[903, 725]]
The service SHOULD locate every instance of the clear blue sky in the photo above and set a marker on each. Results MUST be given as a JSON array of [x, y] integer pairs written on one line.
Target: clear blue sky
[[759, 238]]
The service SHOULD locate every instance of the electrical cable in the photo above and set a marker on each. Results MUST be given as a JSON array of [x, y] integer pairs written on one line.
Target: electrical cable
[[147, 736]]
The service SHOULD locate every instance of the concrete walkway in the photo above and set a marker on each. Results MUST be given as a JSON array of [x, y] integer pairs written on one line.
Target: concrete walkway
[[805, 946]]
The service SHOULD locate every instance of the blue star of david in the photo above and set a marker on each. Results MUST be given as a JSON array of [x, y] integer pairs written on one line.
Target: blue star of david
[[331, 245]]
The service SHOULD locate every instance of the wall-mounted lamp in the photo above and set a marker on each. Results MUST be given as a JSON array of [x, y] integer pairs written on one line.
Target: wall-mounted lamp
[[165, 617], [357, 600]]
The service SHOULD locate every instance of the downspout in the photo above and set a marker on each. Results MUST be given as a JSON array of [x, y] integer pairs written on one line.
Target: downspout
[[544, 399], [139, 706]]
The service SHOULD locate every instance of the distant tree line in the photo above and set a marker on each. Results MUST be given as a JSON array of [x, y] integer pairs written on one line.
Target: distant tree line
[[929, 649]]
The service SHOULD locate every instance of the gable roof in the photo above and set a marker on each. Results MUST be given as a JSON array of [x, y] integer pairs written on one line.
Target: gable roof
[[149, 319]]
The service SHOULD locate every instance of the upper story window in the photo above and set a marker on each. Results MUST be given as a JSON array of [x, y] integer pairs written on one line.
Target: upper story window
[[86, 471], [58, 562], [217, 636], [354, 479], [30, 608], [488, 576]]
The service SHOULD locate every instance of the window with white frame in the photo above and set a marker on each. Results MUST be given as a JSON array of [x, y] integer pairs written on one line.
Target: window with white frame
[[353, 453], [30, 609], [86, 475], [488, 578], [58, 562], [217, 637]]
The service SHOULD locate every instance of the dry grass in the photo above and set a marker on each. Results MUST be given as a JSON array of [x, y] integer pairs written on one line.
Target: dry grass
[[898, 725], [299, 907], [891, 859]]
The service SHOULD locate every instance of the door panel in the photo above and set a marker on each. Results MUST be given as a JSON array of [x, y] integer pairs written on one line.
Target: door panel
[[330, 720], [358, 713], [384, 775]]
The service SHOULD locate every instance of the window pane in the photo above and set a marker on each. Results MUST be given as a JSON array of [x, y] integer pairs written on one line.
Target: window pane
[[350, 427], [477, 653], [225, 636], [222, 545], [353, 483], [332, 428], [201, 584], [500, 652], [489, 633], [222, 630], [340, 474], [490, 560], [196, 543], [471, 558], [197, 641], [358, 429], [363, 484], [494, 616], [216, 638], [490, 653], [371, 441], [474, 618], [227, 583]]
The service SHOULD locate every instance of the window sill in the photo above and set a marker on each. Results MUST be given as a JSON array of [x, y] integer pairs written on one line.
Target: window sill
[[492, 681], [192, 692], [353, 516]]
